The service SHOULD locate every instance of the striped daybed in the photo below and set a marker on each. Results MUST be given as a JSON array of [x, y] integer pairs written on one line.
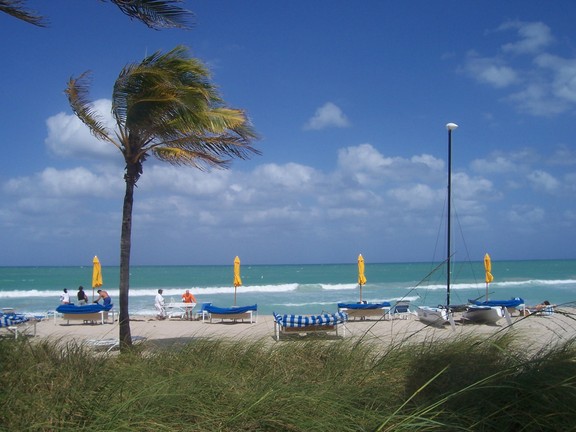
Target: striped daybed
[[363, 310], [284, 324]]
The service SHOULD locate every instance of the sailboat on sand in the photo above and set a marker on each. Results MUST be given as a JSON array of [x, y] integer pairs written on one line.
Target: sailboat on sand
[[486, 313], [442, 314]]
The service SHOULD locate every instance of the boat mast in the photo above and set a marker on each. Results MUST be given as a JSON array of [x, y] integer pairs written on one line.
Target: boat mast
[[450, 127]]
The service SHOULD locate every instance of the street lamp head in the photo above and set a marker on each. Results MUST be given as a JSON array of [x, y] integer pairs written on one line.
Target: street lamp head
[[451, 126]]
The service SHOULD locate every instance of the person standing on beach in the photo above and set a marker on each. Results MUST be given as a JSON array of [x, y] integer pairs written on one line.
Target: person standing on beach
[[159, 305], [188, 297], [65, 297], [82, 297], [104, 296]]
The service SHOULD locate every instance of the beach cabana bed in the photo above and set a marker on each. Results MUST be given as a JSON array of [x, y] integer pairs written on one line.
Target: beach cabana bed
[[301, 324], [234, 313], [365, 310], [90, 312]]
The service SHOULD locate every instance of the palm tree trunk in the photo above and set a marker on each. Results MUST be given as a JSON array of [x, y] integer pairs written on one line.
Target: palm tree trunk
[[125, 246]]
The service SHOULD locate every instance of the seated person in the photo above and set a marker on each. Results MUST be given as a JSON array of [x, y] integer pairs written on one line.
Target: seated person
[[188, 297]]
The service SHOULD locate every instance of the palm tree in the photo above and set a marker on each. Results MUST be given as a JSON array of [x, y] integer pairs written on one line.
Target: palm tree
[[167, 107], [155, 14]]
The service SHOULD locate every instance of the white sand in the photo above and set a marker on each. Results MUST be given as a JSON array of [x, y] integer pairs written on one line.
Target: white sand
[[534, 332]]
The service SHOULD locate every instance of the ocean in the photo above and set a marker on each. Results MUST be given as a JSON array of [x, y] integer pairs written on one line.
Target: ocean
[[299, 289]]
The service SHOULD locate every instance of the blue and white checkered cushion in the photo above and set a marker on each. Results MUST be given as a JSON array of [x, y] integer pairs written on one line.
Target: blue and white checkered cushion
[[7, 320], [311, 320]]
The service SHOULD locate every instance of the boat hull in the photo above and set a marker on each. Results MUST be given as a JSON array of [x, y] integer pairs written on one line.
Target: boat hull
[[433, 315], [484, 314]]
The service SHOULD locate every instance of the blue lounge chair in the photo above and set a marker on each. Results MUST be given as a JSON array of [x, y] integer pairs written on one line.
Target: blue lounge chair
[[234, 313], [400, 310], [15, 324], [284, 324], [364, 310]]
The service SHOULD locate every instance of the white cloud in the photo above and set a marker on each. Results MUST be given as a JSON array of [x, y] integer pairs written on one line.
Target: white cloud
[[494, 164], [366, 192], [522, 216], [76, 182], [289, 176], [546, 86], [466, 187], [418, 196], [491, 71], [533, 37], [69, 137], [328, 115], [542, 180]]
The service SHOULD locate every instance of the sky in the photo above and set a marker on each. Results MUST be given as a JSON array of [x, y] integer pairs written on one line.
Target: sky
[[350, 101]]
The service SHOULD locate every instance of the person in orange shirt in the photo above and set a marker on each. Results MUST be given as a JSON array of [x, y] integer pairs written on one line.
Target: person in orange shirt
[[188, 297]]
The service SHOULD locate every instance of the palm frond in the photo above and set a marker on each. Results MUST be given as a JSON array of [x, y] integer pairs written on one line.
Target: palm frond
[[77, 92], [156, 14], [16, 9], [198, 160], [167, 105]]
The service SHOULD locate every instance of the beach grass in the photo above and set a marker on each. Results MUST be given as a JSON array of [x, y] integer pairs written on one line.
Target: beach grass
[[462, 384]]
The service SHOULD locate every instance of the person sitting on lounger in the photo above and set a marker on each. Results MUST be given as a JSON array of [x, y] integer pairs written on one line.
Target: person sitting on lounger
[[65, 297], [188, 297], [82, 297], [104, 296]]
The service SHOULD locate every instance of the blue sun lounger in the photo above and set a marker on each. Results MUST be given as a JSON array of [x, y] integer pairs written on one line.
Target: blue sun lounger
[[284, 324], [363, 310], [234, 313], [13, 323]]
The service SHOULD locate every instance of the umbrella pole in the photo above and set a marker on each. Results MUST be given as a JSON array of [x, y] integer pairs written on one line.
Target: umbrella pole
[[486, 291], [360, 293], [234, 296]]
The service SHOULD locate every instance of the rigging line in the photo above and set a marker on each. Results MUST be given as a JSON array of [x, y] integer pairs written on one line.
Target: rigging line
[[369, 329], [468, 259], [425, 278]]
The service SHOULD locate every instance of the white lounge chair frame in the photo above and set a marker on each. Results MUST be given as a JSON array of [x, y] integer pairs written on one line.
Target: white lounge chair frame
[[249, 315], [101, 317], [383, 312]]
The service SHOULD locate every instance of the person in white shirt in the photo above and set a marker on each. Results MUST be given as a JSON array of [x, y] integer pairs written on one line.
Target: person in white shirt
[[159, 305], [65, 297]]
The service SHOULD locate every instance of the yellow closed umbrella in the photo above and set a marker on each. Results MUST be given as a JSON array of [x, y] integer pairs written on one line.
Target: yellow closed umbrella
[[96, 275], [488, 269], [361, 277], [237, 279]]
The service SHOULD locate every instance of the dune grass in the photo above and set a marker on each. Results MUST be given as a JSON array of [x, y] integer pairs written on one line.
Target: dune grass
[[215, 385]]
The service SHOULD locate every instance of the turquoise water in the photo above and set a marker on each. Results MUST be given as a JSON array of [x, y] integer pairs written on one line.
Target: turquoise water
[[303, 289]]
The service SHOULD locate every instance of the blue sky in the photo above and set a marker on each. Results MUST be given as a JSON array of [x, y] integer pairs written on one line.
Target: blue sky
[[350, 99]]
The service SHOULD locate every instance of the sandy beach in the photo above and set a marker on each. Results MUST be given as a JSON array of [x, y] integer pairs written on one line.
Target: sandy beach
[[533, 332]]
